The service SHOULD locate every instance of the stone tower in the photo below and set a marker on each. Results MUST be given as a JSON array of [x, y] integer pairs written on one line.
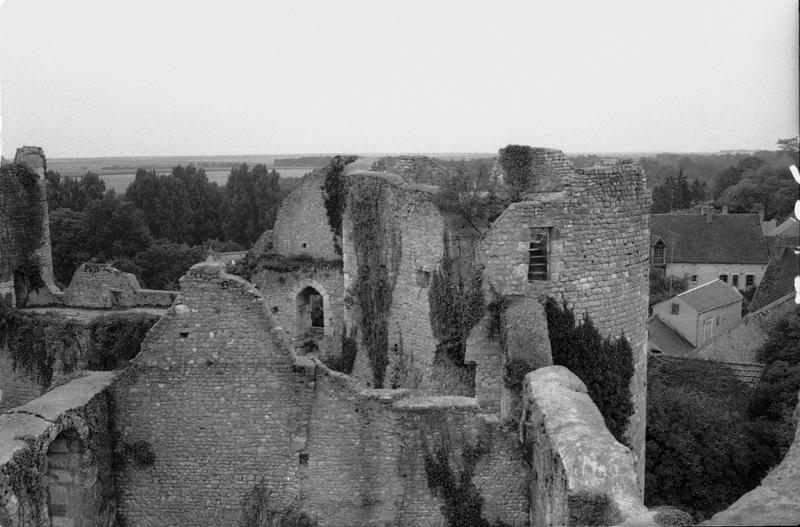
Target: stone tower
[[26, 262]]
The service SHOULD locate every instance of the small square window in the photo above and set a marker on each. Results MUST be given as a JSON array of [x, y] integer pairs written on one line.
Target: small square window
[[675, 309], [750, 280], [694, 278], [724, 278]]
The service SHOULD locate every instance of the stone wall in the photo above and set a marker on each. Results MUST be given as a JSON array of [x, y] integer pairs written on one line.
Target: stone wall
[[224, 403], [414, 169], [64, 338], [301, 226], [420, 231], [103, 286], [580, 474], [598, 258], [281, 291], [56, 464]]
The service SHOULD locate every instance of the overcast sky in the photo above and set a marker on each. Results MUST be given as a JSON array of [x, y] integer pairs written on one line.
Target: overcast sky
[[180, 77]]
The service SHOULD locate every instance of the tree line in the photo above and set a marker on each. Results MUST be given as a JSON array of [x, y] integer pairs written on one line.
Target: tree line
[[744, 183], [162, 224]]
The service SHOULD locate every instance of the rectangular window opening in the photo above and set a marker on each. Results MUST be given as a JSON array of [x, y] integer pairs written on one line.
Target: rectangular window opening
[[735, 280], [750, 280], [724, 278], [538, 254], [676, 309], [658, 254], [694, 278]]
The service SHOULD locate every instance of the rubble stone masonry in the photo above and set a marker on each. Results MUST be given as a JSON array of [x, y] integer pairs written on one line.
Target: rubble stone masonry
[[597, 259]]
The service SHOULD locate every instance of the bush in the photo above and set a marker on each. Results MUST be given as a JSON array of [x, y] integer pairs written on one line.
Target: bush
[[604, 365]]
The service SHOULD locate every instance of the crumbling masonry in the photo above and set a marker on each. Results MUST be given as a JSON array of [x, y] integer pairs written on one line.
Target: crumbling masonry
[[235, 387]]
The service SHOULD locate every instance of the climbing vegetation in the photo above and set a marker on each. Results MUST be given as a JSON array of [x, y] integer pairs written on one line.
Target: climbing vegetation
[[455, 307], [377, 244], [25, 477], [335, 195], [463, 503], [254, 263], [517, 163], [261, 508], [604, 365]]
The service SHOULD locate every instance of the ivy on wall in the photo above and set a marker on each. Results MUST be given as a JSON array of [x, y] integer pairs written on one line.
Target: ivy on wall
[[517, 163], [378, 249], [455, 308], [335, 195], [604, 365], [25, 477], [253, 263], [33, 340], [21, 202], [463, 503]]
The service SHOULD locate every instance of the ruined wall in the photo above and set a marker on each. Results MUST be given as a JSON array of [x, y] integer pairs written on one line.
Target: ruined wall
[[103, 286], [62, 342], [414, 169], [217, 403], [580, 475], [56, 458], [419, 231], [25, 232], [223, 402], [598, 259], [301, 226], [281, 290]]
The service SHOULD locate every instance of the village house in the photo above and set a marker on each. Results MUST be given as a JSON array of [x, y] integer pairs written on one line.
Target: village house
[[709, 246], [688, 320]]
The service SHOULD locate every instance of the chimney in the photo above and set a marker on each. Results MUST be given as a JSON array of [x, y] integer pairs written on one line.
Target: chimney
[[724, 209], [710, 215]]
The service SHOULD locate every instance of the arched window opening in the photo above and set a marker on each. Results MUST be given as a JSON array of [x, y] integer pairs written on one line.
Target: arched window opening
[[310, 313]]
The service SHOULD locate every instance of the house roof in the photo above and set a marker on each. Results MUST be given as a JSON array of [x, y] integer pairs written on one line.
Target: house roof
[[711, 295], [729, 238], [790, 228], [778, 280], [666, 339], [719, 377]]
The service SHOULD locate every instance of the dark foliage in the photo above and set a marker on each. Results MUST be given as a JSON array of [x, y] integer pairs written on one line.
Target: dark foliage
[[345, 361], [775, 397], [515, 372], [517, 162], [463, 504], [254, 263], [21, 196], [664, 287], [377, 246], [116, 339], [164, 262], [455, 308], [139, 452], [251, 201], [24, 337], [604, 365], [335, 193]]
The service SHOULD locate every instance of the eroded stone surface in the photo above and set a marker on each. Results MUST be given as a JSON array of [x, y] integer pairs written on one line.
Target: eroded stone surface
[[574, 458]]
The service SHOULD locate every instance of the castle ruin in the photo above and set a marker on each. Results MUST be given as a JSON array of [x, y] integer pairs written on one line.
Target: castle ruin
[[236, 394]]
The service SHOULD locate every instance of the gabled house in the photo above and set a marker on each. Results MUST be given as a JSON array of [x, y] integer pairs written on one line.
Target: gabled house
[[710, 246], [688, 320]]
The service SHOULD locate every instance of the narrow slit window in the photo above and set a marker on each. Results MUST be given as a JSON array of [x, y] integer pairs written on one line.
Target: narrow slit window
[[538, 254]]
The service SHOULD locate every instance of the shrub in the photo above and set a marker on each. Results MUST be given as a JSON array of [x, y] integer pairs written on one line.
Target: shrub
[[516, 369], [604, 365]]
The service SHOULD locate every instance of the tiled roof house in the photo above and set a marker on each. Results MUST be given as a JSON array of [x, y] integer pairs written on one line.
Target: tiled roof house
[[709, 246]]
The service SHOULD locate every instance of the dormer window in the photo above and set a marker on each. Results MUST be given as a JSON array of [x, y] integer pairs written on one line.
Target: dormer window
[[675, 309], [538, 254]]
